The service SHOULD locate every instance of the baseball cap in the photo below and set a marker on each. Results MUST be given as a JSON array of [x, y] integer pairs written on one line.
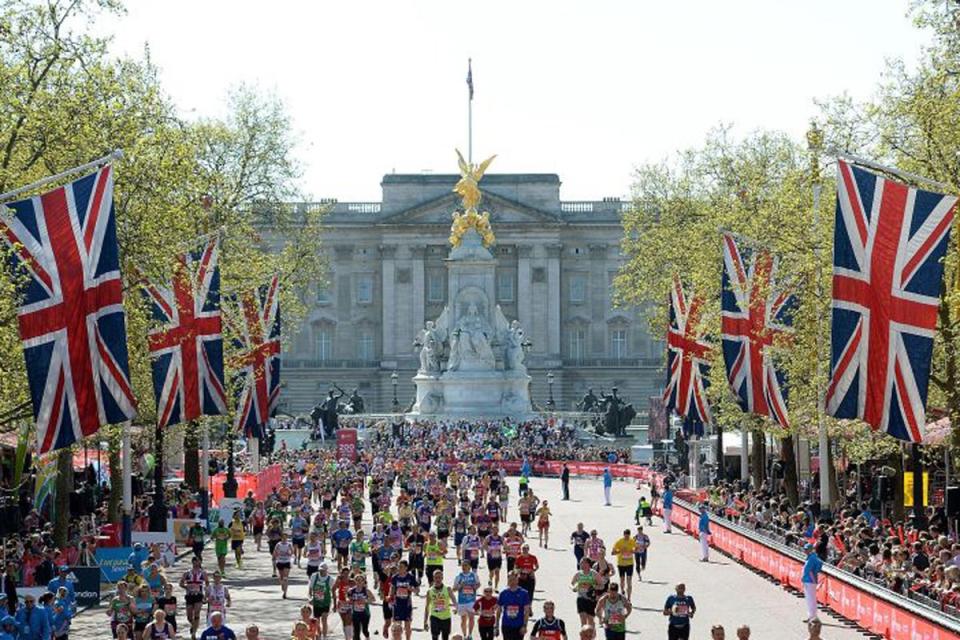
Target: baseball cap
[[808, 547]]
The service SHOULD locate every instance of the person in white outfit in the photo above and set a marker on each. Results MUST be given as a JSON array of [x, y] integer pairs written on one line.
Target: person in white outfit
[[811, 575]]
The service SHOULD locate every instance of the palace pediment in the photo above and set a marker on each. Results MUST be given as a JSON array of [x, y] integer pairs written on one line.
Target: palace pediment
[[502, 211]]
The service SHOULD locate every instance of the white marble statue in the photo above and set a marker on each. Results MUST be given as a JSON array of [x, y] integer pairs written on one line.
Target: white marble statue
[[470, 342], [431, 344], [513, 348]]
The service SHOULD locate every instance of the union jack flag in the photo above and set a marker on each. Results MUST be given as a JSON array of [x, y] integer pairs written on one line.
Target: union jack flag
[[187, 348], [258, 338], [889, 242], [755, 314], [687, 360], [71, 319]]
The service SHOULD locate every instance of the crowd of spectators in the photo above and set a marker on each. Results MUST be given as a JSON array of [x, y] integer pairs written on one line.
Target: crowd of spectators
[[922, 562]]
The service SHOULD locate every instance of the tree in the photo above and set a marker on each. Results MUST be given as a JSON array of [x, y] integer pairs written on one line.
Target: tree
[[66, 101], [760, 188]]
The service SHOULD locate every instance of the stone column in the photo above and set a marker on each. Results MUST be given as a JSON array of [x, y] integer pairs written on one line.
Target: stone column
[[553, 299], [388, 285], [419, 291], [524, 295]]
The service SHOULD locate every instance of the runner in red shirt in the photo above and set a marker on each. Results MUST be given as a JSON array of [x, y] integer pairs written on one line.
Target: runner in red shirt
[[527, 565], [486, 608]]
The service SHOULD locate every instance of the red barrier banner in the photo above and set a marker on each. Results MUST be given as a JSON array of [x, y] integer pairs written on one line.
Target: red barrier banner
[[869, 611], [267, 479]]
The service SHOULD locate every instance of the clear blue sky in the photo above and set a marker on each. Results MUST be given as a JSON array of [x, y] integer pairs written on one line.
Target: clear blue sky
[[587, 90]]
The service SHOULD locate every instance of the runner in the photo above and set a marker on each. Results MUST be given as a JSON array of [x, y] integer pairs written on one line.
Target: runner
[[274, 533], [434, 553], [594, 547], [320, 591], [282, 556], [195, 538], [258, 520], [461, 525], [119, 608], [159, 628], [680, 609], [298, 534], [310, 624], [142, 609], [360, 600], [526, 510], [543, 523], [359, 550], [466, 585], [314, 554], [437, 609], [217, 630], [218, 597], [168, 604], [402, 585], [194, 582], [513, 608], [584, 584], [237, 534], [512, 543], [578, 538], [486, 609], [527, 564], [493, 548], [549, 627], [342, 588], [642, 544], [624, 549], [612, 612], [340, 540], [472, 543]]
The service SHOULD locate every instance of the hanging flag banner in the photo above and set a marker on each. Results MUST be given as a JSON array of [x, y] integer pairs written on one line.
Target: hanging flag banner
[[688, 369], [258, 338], [756, 312], [186, 350], [71, 319], [888, 249], [347, 444]]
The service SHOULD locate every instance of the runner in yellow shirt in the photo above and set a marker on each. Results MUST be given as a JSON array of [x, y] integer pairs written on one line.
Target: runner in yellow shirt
[[623, 549], [237, 533]]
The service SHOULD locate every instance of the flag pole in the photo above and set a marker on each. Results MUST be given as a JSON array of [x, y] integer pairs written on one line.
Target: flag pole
[[470, 110], [10, 195]]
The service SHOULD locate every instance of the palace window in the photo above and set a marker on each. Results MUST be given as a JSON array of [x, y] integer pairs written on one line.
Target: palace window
[[578, 343], [578, 288], [618, 343], [365, 346], [505, 286], [364, 288], [324, 343], [434, 286], [323, 293]]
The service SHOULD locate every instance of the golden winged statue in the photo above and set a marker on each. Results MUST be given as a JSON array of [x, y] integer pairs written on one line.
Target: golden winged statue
[[468, 189]]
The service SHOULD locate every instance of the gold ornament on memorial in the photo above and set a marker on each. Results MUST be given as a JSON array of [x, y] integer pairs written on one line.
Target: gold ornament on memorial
[[467, 188]]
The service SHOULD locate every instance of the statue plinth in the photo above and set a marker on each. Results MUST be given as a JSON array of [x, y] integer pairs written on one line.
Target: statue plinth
[[471, 356]]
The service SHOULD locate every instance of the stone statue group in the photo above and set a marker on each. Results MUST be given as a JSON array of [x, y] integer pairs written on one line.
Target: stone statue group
[[469, 343], [326, 414], [616, 413]]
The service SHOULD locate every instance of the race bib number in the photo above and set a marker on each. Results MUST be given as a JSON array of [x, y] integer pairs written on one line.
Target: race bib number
[[467, 590], [513, 611], [439, 605], [681, 610], [403, 592]]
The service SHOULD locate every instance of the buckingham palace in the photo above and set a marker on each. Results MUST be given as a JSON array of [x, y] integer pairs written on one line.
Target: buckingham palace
[[556, 261]]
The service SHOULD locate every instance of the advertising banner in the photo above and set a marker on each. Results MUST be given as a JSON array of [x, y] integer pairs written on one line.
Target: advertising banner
[[347, 444], [86, 585], [165, 541], [113, 562]]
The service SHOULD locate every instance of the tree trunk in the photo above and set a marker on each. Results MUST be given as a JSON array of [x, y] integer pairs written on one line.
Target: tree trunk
[[61, 521], [116, 477], [757, 462], [191, 456], [789, 458]]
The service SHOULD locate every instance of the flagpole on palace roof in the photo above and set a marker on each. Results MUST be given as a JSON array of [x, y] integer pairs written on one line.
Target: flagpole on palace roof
[[469, 110]]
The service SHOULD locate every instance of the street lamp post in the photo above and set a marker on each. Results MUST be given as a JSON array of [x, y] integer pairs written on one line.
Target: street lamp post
[[157, 513], [230, 484], [393, 380], [550, 403]]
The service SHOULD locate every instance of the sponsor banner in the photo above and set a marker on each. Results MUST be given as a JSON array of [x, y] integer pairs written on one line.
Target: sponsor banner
[[113, 562], [86, 585], [164, 540], [347, 444]]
